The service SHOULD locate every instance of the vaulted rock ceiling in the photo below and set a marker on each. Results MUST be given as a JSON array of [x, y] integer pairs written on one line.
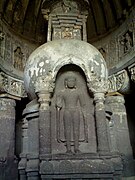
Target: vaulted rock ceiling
[[24, 17]]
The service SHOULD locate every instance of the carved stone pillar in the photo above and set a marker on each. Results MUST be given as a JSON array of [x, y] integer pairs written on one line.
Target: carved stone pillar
[[7, 139], [101, 125], [24, 152], [111, 131], [44, 123], [121, 129], [43, 90], [32, 168]]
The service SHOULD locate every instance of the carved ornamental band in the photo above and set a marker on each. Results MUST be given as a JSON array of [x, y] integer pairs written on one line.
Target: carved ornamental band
[[11, 86], [119, 82]]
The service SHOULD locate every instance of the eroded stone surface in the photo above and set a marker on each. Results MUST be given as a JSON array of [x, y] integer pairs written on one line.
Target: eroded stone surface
[[50, 57]]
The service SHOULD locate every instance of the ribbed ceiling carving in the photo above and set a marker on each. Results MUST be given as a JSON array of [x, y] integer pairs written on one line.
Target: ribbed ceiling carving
[[25, 18]]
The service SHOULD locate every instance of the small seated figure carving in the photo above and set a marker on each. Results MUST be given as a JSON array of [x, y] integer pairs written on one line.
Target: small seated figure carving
[[70, 96]]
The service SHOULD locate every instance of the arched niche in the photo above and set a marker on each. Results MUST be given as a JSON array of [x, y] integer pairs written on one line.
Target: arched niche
[[86, 128]]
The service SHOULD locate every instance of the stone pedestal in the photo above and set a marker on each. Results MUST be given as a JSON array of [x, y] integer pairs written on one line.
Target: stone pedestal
[[82, 167], [8, 163], [121, 130]]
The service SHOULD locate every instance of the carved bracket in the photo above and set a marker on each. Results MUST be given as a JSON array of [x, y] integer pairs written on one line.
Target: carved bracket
[[44, 84], [44, 87], [119, 82], [97, 85], [11, 86]]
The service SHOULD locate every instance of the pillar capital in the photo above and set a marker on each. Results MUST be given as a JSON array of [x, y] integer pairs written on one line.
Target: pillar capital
[[44, 88], [11, 87], [99, 101]]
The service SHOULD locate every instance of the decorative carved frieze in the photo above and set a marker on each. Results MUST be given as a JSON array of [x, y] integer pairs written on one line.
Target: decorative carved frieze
[[119, 82], [44, 84], [13, 51], [44, 87], [119, 47], [72, 30], [97, 85], [11, 85], [132, 71]]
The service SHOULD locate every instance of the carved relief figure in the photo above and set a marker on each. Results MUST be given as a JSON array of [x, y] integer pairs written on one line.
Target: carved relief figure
[[14, 87], [18, 59], [112, 58], [2, 37], [67, 33], [57, 34], [69, 6], [120, 80], [68, 100], [127, 41]]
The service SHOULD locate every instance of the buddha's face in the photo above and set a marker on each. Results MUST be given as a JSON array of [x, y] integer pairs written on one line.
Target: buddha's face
[[71, 82]]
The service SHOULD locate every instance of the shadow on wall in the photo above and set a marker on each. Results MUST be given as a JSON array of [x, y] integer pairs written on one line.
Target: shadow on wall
[[129, 103]]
